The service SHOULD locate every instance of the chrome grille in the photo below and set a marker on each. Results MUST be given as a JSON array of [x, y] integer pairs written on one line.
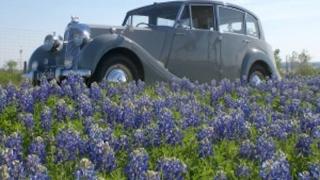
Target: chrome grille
[[72, 52]]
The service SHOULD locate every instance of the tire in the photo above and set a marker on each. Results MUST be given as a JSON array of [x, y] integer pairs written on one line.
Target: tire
[[260, 72], [113, 61]]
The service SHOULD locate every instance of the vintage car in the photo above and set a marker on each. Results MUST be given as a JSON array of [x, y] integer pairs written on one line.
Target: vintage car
[[199, 40]]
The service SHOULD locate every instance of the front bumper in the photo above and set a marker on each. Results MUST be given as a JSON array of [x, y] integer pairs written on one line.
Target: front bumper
[[58, 74]]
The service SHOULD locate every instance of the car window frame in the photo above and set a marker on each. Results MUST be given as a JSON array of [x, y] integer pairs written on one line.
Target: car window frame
[[189, 5], [244, 25], [258, 26]]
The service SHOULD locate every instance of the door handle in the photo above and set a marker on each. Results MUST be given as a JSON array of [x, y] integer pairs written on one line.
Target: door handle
[[246, 41], [180, 34]]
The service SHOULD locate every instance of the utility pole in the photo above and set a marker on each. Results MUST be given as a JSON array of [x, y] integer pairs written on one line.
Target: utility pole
[[20, 59]]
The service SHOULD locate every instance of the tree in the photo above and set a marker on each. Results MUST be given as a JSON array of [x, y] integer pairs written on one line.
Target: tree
[[277, 59], [11, 65], [304, 57]]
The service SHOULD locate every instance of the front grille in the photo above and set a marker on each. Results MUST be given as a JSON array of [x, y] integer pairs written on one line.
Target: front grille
[[72, 52]]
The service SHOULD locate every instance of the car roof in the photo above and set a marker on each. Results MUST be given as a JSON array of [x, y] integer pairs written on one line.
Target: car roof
[[192, 2]]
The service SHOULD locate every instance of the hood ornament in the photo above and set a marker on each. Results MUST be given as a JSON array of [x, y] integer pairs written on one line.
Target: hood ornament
[[75, 19]]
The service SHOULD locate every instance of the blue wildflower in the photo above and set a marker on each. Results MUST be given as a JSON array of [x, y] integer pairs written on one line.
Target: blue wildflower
[[85, 170], [46, 119], [303, 145], [138, 165], [276, 168], [205, 148], [171, 168]]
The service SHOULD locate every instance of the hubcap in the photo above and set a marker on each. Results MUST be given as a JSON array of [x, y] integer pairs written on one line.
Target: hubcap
[[256, 78], [118, 73]]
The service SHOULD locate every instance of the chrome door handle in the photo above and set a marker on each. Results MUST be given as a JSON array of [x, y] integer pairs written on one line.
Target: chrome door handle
[[180, 34], [246, 41]]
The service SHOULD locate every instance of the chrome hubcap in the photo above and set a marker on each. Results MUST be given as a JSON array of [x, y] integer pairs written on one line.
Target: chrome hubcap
[[118, 73], [256, 78]]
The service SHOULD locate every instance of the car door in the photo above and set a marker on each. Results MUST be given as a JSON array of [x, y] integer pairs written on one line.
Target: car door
[[234, 42], [189, 56]]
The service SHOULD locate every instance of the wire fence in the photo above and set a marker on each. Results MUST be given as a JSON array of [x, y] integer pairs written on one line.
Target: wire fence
[[17, 44]]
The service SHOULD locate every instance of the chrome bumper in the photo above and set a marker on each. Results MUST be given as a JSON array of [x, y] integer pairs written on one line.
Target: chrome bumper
[[59, 73]]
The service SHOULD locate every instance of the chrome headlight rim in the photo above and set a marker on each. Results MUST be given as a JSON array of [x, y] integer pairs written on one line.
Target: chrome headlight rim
[[52, 43]]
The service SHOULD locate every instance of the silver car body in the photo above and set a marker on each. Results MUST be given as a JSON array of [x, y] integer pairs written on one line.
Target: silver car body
[[164, 52]]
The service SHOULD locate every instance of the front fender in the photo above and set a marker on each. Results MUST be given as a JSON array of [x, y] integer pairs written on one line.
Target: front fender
[[91, 55], [255, 55]]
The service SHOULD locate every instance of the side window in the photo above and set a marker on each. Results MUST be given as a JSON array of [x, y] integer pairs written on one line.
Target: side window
[[202, 17], [185, 21], [231, 21], [252, 26]]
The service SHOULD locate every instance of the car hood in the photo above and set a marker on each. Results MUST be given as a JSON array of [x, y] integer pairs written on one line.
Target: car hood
[[97, 30], [145, 37]]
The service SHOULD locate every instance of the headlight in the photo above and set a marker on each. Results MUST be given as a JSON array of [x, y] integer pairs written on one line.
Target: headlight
[[34, 66], [80, 38], [68, 63], [52, 42]]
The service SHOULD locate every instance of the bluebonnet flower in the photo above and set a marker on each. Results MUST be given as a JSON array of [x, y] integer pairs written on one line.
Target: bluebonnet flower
[[102, 155], [95, 92], [243, 171], [305, 175], [293, 107], [153, 136], [26, 100], [205, 148], [247, 149], [122, 143], [314, 170], [276, 167], [35, 169], [309, 121], [138, 165], [85, 106], [303, 145], [46, 119], [221, 175], [14, 142], [63, 111], [265, 148], [139, 138], [16, 170], [27, 120], [85, 170], [42, 91], [205, 132], [316, 132], [231, 126], [171, 168], [191, 117], [68, 145], [38, 147], [3, 99], [11, 92]]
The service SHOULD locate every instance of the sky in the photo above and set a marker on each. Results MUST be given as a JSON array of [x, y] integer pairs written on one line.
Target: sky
[[288, 24]]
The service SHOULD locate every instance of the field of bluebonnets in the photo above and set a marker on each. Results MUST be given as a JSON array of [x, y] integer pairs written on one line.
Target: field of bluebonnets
[[177, 130]]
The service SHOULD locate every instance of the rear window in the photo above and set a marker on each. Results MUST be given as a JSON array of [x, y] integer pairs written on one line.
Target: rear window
[[231, 21], [252, 26]]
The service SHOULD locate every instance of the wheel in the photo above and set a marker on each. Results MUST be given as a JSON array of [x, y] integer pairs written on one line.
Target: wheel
[[116, 68], [258, 74]]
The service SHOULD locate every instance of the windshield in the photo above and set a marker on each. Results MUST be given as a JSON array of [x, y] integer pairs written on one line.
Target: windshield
[[156, 15]]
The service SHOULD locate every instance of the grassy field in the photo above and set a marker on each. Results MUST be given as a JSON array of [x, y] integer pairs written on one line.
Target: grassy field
[[14, 77]]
